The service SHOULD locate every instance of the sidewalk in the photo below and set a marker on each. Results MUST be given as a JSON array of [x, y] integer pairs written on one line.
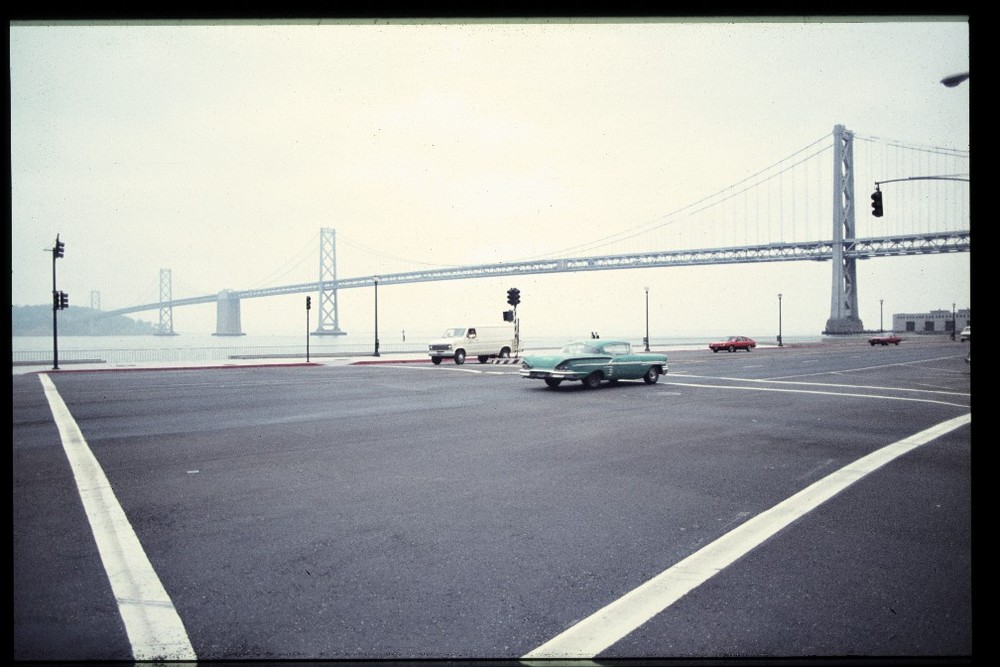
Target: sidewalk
[[92, 365]]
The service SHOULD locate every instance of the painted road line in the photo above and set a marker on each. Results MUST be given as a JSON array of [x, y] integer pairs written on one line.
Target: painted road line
[[846, 394], [153, 626], [600, 630]]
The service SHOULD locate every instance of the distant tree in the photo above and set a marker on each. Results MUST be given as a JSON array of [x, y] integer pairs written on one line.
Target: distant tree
[[74, 321]]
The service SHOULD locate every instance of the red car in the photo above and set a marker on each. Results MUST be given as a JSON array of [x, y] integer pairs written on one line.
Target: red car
[[733, 343], [890, 339]]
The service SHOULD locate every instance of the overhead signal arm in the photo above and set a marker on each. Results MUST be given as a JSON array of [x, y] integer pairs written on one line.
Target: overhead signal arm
[[877, 195]]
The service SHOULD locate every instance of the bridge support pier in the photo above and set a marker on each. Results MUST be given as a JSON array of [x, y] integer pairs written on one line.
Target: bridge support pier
[[227, 314]]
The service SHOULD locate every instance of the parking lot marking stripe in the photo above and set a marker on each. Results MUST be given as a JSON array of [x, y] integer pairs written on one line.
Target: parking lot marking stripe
[[600, 630], [153, 626]]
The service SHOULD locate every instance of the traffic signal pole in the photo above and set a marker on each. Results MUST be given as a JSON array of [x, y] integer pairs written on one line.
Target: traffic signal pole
[[514, 298], [55, 318], [308, 307], [58, 299]]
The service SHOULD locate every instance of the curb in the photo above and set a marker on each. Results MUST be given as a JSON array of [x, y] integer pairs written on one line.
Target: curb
[[370, 362]]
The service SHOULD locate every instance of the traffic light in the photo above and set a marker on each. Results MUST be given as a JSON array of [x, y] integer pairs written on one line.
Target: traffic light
[[513, 296], [308, 302], [508, 316], [59, 249], [877, 203], [60, 300]]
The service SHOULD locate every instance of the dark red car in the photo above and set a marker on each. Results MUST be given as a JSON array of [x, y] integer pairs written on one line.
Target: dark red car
[[890, 339], [733, 343]]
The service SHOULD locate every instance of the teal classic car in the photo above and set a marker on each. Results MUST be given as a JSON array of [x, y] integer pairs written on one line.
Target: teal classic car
[[594, 361]]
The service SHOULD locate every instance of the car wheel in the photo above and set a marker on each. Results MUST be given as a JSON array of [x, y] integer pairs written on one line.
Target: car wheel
[[651, 376], [460, 357], [896, 343], [505, 353], [552, 382], [592, 381], [715, 349], [732, 348], [873, 343], [483, 358], [435, 360]]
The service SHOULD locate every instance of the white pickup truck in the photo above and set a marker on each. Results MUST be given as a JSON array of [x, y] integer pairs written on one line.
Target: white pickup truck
[[481, 342]]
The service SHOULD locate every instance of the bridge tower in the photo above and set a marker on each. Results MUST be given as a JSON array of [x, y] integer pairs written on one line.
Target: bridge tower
[[328, 324], [844, 300], [95, 300], [227, 314], [166, 327]]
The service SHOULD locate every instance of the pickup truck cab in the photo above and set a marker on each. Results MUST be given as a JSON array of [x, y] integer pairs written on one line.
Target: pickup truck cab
[[888, 339], [483, 343]]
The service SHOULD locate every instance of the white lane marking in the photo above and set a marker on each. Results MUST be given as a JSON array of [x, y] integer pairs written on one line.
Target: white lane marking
[[828, 384], [915, 362], [153, 626], [600, 630], [824, 393]]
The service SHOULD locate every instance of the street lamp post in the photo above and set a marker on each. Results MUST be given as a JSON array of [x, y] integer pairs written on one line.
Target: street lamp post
[[780, 344], [880, 327], [647, 319], [376, 317], [953, 321]]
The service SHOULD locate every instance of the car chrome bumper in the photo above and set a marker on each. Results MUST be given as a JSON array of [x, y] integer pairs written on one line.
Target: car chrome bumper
[[533, 374]]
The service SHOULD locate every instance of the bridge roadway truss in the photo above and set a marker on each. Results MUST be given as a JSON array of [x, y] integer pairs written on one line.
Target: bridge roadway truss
[[843, 250], [852, 249]]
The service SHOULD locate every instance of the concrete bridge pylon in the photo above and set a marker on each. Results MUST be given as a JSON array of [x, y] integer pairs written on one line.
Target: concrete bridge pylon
[[227, 314]]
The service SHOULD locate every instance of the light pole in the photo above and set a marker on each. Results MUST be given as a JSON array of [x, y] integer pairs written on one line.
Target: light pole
[[880, 327], [376, 317], [780, 344], [647, 319], [953, 321]]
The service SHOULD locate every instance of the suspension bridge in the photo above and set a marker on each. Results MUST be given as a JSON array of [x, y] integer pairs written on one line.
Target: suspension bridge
[[802, 208]]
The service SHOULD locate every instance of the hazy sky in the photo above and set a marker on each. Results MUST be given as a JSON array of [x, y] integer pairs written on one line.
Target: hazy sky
[[220, 151]]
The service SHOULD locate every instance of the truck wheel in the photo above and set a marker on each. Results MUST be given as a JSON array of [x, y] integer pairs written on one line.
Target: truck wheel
[[459, 356], [435, 360], [483, 358], [505, 353]]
